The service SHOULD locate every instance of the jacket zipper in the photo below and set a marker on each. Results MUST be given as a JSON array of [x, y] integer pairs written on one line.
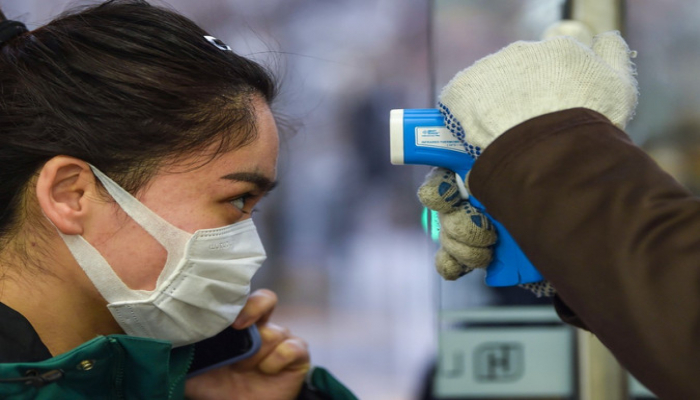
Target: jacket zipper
[[182, 376], [119, 375]]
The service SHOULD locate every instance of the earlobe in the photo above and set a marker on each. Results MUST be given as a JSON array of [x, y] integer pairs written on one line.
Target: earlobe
[[61, 190]]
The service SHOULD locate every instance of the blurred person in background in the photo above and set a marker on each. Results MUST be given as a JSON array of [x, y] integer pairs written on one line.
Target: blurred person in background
[[135, 147], [615, 237]]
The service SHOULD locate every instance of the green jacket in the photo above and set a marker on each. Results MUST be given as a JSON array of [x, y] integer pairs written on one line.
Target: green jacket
[[110, 367], [107, 367]]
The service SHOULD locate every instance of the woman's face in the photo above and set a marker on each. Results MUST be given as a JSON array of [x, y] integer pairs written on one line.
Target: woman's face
[[221, 192]]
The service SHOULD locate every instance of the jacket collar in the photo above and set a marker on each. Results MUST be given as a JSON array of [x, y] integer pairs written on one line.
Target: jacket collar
[[19, 342]]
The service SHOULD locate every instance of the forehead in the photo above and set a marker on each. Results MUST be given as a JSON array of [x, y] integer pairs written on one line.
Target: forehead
[[260, 154], [257, 156]]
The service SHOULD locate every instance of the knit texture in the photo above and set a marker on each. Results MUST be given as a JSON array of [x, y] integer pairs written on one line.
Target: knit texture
[[466, 235], [528, 79], [540, 289]]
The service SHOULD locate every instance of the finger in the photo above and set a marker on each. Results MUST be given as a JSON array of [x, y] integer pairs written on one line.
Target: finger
[[448, 267], [439, 192], [257, 309], [273, 334], [292, 355], [468, 225], [473, 257], [612, 48]]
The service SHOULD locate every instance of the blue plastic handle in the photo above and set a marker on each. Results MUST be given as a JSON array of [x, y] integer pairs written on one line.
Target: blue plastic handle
[[423, 143], [510, 266]]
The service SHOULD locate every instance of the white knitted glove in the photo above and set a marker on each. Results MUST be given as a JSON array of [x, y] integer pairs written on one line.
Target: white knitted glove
[[528, 79], [466, 235]]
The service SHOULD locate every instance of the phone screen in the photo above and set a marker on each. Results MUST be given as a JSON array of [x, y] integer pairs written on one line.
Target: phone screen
[[228, 347]]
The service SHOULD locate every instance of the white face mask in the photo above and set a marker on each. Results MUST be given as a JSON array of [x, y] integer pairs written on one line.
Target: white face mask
[[203, 286]]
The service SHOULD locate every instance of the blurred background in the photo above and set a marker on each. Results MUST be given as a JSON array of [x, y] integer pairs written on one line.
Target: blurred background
[[348, 256]]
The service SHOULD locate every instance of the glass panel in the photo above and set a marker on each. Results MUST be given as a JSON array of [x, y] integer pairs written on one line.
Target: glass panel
[[495, 342]]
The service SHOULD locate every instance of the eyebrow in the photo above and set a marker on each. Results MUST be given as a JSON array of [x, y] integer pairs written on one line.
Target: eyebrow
[[262, 182]]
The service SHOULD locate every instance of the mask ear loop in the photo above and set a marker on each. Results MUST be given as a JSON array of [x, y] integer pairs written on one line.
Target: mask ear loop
[[107, 282], [173, 239]]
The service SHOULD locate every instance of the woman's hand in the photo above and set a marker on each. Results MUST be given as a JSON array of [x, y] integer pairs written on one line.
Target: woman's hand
[[276, 372]]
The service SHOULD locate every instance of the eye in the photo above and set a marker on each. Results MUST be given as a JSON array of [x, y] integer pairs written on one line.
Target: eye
[[239, 202], [245, 203]]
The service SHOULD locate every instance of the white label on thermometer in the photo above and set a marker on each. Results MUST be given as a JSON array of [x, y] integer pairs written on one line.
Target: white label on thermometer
[[439, 137]]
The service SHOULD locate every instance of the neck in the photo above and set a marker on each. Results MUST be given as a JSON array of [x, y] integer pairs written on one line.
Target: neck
[[57, 298]]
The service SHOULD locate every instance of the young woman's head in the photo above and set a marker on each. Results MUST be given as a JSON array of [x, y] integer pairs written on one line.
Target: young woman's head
[[151, 100], [124, 86]]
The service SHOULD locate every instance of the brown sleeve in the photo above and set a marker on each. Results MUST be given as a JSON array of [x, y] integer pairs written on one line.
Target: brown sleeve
[[618, 238]]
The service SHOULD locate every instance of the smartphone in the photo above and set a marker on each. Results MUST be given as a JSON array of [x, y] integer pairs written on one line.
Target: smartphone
[[228, 347]]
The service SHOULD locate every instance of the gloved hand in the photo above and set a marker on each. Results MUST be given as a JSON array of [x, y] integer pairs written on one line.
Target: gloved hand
[[528, 79], [465, 233]]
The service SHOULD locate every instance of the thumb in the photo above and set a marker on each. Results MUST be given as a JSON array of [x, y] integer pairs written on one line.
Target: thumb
[[612, 48]]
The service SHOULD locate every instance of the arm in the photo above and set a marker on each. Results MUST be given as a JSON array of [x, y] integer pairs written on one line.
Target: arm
[[617, 237]]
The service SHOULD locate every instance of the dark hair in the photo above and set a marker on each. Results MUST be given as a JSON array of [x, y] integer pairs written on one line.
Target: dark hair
[[122, 85]]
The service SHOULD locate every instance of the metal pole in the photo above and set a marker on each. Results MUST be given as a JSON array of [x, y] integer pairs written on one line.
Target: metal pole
[[600, 15], [600, 375]]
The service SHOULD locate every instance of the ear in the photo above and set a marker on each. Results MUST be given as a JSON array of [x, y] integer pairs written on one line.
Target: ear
[[63, 190]]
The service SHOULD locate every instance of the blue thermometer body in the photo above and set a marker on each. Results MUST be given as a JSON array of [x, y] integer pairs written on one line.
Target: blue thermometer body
[[419, 137]]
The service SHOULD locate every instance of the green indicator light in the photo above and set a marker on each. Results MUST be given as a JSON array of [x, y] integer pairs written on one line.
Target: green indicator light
[[435, 226], [424, 219], [431, 224]]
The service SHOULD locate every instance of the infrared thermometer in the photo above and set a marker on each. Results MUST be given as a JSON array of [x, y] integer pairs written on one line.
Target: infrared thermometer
[[419, 137]]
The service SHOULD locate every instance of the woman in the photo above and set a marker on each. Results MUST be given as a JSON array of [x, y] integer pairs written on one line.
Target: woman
[[135, 147]]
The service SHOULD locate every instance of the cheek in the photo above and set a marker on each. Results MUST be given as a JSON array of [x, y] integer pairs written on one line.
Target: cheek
[[135, 256], [199, 213], [190, 210]]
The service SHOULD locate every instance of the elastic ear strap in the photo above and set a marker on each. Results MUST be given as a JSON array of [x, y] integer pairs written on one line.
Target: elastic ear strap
[[164, 232], [107, 282]]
